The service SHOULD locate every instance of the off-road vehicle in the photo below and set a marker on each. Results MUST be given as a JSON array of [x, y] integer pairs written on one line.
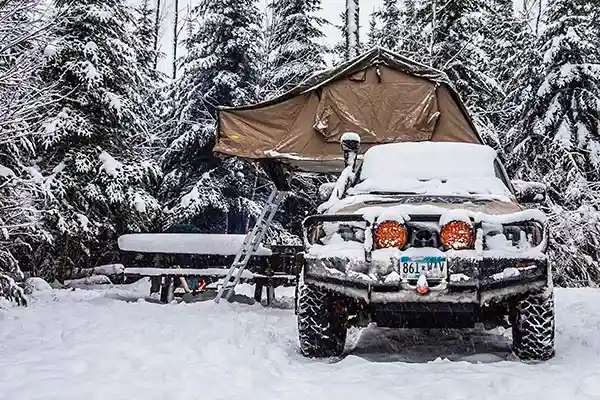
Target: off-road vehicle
[[427, 231], [426, 235]]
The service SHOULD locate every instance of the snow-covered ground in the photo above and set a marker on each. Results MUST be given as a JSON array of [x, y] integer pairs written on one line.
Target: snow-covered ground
[[109, 344]]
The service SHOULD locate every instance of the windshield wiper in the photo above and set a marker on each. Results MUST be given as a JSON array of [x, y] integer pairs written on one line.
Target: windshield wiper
[[414, 198], [392, 193]]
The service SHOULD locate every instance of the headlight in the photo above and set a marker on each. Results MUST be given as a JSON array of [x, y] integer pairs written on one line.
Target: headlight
[[390, 234], [523, 234], [352, 233], [335, 232], [457, 235]]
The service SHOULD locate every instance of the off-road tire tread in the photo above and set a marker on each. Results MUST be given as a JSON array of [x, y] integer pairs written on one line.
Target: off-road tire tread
[[533, 327], [321, 329]]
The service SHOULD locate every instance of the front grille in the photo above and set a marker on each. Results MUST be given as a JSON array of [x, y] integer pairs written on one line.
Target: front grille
[[423, 237]]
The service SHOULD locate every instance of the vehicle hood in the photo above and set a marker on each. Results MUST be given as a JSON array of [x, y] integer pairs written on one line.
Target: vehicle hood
[[354, 205]]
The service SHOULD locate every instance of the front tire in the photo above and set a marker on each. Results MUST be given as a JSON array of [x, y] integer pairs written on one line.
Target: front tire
[[533, 322], [322, 319]]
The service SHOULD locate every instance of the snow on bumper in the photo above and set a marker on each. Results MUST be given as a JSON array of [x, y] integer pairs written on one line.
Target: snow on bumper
[[469, 280]]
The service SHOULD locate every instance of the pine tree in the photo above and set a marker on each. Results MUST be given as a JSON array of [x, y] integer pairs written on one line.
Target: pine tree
[[374, 33], [557, 137], [456, 49], [501, 36], [152, 81], [219, 69], [294, 49], [21, 95], [340, 50], [449, 36], [415, 25], [145, 48], [93, 168], [390, 34], [227, 45], [506, 40]]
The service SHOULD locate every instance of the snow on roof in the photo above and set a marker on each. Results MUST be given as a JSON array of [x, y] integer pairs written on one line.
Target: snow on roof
[[436, 168], [429, 160]]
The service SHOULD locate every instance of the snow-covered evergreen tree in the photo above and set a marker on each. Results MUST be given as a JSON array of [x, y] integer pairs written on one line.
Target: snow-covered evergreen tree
[[153, 81], [450, 36], [456, 41], [415, 25], [390, 34], [97, 180], [145, 48], [557, 140], [340, 50], [220, 68], [374, 30], [501, 37], [507, 38], [294, 49], [226, 46], [22, 40]]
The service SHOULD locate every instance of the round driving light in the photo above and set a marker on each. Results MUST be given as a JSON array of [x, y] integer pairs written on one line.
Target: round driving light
[[390, 234], [457, 235]]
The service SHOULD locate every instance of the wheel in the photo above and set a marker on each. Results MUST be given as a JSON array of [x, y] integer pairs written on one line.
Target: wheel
[[533, 327], [322, 318]]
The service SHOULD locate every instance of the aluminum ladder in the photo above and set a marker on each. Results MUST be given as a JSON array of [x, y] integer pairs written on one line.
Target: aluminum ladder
[[250, 245]]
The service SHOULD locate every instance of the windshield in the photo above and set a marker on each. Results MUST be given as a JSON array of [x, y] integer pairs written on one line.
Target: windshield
[[430, 168]]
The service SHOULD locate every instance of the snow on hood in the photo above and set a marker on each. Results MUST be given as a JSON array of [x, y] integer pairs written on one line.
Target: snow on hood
[[359, 203], [432, 168], [448, 187]]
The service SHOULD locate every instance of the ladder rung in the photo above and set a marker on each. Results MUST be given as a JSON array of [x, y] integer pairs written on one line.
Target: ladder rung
[[250, 245]]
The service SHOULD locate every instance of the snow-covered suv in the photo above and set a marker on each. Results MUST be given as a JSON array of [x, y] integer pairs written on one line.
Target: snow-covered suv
[[426, 235]]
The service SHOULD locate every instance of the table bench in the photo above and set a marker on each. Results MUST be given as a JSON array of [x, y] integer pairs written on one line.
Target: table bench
[[167, 258]]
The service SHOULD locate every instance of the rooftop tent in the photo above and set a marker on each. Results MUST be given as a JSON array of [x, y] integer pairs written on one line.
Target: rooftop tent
[[381, 95]]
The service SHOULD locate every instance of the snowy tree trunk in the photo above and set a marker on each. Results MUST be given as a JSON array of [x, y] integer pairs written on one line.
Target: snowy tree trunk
[[156, 31], [538, 17], [352, 29], [432, 34], [175, 37]]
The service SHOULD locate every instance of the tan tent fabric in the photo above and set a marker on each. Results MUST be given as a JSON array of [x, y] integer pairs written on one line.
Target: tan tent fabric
[[384, 106], [452, 125], [380, 95], [252, 133]]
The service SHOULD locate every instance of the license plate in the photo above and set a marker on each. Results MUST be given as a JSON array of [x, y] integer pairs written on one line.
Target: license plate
[[431, 267]]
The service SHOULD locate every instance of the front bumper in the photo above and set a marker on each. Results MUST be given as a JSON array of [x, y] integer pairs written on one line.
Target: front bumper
[[469, 281]]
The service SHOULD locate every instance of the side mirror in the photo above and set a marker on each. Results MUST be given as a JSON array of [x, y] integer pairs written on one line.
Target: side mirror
[[325, 191], [530, 192], [350, 146]]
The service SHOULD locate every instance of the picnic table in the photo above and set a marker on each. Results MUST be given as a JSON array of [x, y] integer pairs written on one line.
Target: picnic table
[[196, 262]]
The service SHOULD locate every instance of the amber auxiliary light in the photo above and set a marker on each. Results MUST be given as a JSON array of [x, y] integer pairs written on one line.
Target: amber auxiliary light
[[457, 235], [390, 234]]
